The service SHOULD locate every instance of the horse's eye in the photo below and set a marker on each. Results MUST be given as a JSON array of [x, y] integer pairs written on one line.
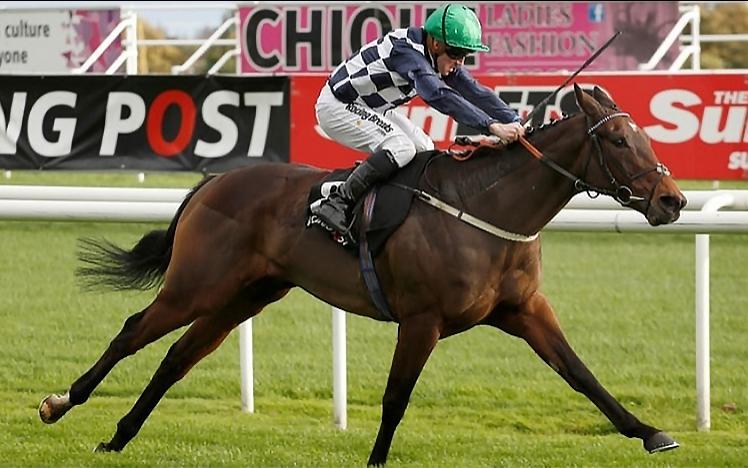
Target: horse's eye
[[620, 142]]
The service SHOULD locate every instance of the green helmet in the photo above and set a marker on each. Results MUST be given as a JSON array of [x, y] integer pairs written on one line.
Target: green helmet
[[457, 26]]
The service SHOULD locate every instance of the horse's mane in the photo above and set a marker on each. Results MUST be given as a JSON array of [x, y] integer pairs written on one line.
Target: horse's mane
[[488, 164]]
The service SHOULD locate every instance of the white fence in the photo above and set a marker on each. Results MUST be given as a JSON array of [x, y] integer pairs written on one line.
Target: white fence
[[582, 214]]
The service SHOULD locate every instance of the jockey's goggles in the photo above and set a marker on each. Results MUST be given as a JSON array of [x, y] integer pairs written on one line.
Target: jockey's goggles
[[458, 53]]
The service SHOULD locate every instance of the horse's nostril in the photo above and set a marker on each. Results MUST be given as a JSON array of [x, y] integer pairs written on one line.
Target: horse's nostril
[[672, 203], [683, 202]]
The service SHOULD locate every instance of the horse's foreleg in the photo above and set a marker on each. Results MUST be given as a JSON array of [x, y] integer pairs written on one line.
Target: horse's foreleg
[[139, 330], [536, 323], [205, 334], [416, 339]]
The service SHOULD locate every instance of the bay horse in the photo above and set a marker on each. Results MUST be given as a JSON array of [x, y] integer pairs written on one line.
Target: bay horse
[[238, 242]]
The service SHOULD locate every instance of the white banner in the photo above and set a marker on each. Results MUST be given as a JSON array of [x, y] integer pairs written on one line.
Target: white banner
[[55, 41]]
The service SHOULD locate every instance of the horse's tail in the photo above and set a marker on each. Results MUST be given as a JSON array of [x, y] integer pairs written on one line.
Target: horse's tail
[[109, 266]]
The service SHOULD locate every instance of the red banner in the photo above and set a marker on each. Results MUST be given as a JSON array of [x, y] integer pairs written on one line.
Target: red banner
[[698, 123]]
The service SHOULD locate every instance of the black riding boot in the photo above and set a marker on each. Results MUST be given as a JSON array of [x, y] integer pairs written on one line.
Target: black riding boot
[[376, 168]]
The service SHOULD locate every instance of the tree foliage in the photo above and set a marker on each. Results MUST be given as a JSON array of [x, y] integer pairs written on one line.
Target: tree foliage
[[158, 59], [213, 54], [724, 18], [161, 59]]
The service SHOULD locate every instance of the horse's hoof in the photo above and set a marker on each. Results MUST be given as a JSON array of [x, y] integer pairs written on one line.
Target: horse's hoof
[[102, 447], [52, 408], [660, 442]]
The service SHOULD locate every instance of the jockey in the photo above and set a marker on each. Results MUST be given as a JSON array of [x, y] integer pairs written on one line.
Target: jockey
[[355, 107]]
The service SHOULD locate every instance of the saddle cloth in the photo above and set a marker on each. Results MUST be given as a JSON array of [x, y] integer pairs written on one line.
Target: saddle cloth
[[390, 210]]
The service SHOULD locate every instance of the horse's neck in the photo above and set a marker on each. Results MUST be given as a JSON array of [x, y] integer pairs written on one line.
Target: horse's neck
[[526, 199]]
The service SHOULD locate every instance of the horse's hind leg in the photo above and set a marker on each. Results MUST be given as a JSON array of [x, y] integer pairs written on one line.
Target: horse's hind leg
[[204, 336], [416, 339], [536, 323], [162, 316]]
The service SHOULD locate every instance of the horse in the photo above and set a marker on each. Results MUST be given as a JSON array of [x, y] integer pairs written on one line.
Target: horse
[[239, 242]]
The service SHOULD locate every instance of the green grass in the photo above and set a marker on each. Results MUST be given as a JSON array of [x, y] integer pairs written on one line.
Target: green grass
[[101, 179], [484, 399]]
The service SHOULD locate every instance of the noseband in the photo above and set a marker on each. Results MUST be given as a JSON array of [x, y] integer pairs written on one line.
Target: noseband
[[620, 192]]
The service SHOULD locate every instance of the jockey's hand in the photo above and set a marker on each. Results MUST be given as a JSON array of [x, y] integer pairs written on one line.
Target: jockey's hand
[[507, 132]]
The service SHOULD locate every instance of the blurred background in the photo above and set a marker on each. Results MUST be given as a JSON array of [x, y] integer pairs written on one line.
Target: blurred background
[[664, 46], [111, 111]]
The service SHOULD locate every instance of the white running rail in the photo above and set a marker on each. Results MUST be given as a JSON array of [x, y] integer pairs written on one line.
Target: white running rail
[[582, 214]]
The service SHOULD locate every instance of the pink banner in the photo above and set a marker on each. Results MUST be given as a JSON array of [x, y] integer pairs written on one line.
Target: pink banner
[[314, 39], [90, 28]]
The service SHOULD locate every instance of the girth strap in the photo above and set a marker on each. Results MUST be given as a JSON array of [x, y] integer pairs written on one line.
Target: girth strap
[[366, 262]]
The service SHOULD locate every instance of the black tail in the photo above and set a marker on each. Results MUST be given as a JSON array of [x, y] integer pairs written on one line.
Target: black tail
[[106, 265]]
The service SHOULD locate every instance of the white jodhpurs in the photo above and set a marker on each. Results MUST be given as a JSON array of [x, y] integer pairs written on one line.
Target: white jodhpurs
[[364, 129]]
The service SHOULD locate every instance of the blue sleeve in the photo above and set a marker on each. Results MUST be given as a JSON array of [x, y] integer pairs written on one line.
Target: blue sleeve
[[414, 66], [476, 93]]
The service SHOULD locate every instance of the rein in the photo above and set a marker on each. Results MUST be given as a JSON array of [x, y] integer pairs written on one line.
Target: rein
[[621, 193]]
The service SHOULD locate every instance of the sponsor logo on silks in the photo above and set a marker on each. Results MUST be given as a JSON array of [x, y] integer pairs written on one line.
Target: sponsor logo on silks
[[370, 116]]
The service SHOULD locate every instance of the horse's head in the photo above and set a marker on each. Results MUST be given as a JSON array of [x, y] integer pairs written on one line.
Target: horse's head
[[623, 163]]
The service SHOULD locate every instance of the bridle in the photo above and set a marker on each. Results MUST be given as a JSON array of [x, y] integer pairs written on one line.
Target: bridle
[[620, 192]]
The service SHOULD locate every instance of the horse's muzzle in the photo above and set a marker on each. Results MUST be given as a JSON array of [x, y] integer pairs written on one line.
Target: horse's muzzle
[[665, 208]]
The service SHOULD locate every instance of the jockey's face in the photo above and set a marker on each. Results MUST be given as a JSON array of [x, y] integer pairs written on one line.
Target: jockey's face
[[448, 59], [446, 64]]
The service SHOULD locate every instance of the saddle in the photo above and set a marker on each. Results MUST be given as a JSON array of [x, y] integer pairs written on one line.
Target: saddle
[[389, 205]]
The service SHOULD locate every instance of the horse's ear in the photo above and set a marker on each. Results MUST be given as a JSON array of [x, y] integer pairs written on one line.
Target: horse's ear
[[603, 98], [587, 103]]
